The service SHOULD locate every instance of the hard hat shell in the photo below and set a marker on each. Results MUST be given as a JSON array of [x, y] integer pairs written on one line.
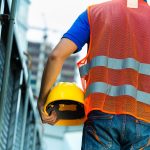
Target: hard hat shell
[[70, 99], [66, 91]]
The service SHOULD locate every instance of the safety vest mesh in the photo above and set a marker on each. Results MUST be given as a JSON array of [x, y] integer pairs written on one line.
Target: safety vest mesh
[[116, 71]]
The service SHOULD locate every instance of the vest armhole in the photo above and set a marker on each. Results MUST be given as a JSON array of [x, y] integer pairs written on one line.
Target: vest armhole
[[83, 60]]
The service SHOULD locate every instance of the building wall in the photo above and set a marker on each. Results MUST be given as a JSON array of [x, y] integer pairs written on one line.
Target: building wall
[[39, 53], [68, 73]]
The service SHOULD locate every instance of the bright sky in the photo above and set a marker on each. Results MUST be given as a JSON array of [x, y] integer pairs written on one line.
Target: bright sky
[[59, 14]]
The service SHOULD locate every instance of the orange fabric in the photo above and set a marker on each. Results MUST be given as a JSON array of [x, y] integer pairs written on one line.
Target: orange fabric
[[118, 105], [118, 32], [120, 77]]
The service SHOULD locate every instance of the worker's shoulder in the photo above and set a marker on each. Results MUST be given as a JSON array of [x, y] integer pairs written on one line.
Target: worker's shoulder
[[108, 3]]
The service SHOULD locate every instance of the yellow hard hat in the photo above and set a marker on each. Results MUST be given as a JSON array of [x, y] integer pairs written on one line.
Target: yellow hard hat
[[67, 99]]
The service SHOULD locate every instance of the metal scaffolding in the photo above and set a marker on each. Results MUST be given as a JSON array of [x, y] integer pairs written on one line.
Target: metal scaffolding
[[19, 128]]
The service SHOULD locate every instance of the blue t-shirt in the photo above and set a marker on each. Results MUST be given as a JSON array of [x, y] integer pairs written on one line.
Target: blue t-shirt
[[79, 32]]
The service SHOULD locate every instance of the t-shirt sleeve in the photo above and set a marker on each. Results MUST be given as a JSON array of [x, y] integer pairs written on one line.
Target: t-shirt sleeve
[[79, 32]]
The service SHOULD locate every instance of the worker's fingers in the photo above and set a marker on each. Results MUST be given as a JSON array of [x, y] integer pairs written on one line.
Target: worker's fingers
[[52, 119], [45, 116], [51, 122]]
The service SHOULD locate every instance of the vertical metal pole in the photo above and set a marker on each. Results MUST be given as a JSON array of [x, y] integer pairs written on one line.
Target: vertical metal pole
[[26, 103], [0, 4], [34, 137], [3, 93], [1, 11], [17, 113]]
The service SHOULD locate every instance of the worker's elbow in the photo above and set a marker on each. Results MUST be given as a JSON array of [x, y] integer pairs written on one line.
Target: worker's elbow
[[55, 57]]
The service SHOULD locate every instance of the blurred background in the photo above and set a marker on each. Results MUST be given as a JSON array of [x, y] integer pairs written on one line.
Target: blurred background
[[29, 30]]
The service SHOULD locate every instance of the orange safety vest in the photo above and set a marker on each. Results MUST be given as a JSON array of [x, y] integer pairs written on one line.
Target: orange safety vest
[[116, 71]]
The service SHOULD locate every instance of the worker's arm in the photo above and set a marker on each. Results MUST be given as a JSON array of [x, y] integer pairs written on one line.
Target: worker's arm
[[51, 71]]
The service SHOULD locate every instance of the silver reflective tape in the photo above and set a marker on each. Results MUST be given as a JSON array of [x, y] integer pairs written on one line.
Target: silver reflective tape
[[117, 64], [101, 87]]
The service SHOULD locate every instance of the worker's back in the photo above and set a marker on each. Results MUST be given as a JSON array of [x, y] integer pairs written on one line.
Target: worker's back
[[118, 69]]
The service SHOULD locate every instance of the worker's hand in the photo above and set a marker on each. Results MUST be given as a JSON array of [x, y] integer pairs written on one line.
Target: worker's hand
[[50, 119]]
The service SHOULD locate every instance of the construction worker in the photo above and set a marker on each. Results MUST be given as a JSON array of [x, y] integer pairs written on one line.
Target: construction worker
[[115, 74]]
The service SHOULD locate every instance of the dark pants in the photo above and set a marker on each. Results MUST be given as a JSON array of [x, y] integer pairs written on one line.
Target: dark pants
[[115, 132]]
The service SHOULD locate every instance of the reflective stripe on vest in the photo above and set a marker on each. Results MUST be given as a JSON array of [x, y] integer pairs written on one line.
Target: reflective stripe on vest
[[114, 63], [101, 87]]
